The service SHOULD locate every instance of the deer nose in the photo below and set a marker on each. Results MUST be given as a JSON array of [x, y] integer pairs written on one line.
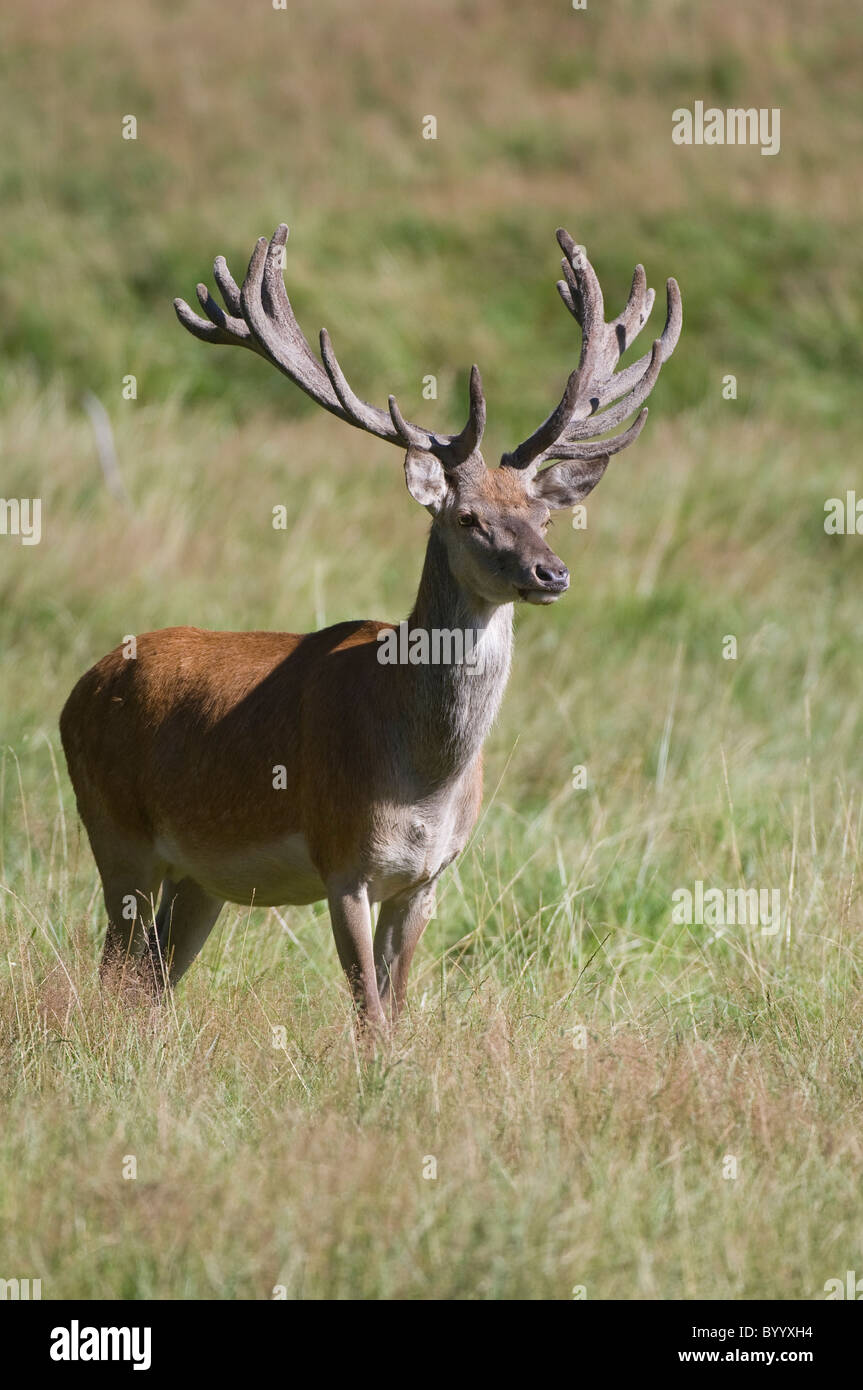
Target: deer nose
[[552, 575]]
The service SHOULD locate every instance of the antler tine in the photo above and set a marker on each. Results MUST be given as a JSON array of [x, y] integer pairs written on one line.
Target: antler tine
[[452, 450], [632, 317], [359, 412], [228, 286], [617, 413], [222, 328], [198, 327], [406, 431], [549, 431], [275, 327], [233, 329], [629, 377], [460, 446], [597, 448], [635, 313], [278, 306], [595, 383]]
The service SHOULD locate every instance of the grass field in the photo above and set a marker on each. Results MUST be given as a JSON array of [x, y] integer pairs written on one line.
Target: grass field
[[580, 1067]]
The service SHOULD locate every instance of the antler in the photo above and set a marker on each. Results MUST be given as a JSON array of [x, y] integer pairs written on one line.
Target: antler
[[566, 432], [259, 316]]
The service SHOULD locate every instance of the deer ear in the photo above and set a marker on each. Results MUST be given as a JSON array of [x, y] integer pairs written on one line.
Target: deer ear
[[565, 483], [425, 478]]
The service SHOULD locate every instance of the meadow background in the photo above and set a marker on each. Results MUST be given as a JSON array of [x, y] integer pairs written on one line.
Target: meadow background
[[558, 1166]]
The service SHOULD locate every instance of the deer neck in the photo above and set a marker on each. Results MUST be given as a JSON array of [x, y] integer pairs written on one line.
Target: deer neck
[[456, 693]]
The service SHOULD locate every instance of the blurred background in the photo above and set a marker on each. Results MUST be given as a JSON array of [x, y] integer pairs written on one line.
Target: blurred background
[[421, 256]]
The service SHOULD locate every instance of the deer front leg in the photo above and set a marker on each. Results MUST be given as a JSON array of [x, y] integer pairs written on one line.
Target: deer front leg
[[351, 917], [401, 923]]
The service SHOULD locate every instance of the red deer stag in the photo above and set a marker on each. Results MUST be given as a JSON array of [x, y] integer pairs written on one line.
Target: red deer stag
[[174, 755]]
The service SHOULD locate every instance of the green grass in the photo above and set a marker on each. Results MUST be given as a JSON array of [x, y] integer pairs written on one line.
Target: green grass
[[557, 1165]]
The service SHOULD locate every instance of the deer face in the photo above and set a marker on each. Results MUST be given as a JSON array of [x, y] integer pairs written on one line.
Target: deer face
[[493, 522]]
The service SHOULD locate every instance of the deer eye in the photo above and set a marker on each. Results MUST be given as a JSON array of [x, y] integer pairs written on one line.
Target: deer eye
[[467, 519]]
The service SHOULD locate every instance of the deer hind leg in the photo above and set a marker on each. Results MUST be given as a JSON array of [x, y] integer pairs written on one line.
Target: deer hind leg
[[185, 919], [130, 873], [401, 923]]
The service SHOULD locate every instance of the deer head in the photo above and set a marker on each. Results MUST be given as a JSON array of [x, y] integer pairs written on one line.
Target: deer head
[[491, 521]]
